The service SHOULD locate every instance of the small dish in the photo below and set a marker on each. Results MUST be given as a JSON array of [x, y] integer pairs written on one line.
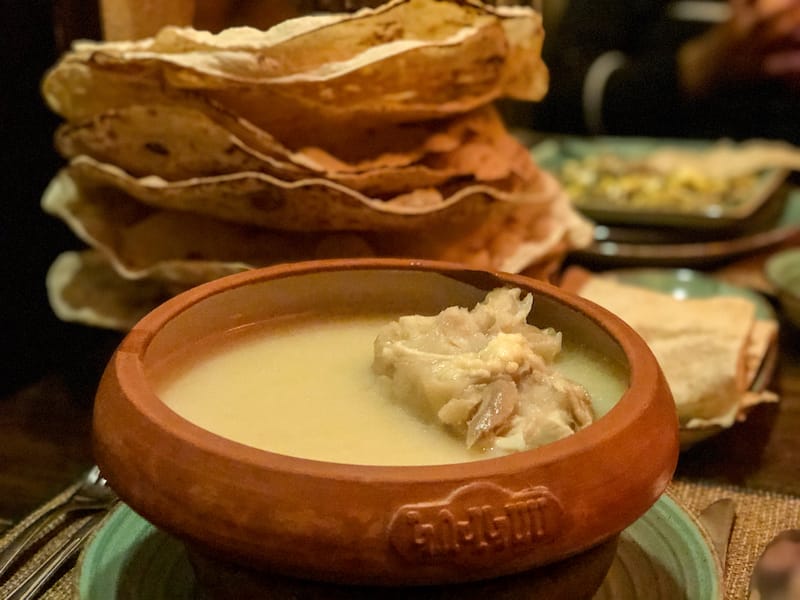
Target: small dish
[[618, 162], [782, 270], [664, 551], [688, 284]]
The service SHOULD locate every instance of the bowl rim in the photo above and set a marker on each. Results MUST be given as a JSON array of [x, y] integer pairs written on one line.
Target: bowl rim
[[133, 381]]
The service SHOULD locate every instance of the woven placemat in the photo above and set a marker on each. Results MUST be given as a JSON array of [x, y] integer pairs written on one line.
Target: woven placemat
[[47, 540], [759, 516]]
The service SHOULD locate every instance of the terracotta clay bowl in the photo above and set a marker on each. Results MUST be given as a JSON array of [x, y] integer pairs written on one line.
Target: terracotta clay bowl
[[378, 525]]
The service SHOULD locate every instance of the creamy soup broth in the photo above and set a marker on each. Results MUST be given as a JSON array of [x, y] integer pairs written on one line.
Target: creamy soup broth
[[305, 387]]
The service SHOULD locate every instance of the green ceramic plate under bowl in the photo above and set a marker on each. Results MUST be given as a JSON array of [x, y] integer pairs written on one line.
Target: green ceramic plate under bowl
[[665, 554], [662, 556], [129, 558]]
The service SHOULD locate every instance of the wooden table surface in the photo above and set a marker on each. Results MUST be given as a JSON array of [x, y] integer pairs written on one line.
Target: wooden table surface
[[45, 427], [45, 431]]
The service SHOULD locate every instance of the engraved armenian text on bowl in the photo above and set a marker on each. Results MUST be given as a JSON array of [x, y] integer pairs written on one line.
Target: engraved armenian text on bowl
[[477, 518]]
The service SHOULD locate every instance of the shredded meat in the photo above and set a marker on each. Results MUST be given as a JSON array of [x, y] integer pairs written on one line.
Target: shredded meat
[[485, 373]]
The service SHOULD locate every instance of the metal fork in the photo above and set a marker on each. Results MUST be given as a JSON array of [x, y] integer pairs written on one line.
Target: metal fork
[[39, 578], [91, 495]]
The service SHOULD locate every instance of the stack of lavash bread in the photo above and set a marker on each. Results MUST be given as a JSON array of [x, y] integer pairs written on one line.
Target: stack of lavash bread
[[192, 155], [710, 349]]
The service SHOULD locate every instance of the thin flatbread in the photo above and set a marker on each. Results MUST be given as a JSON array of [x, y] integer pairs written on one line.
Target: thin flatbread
[[141, 241], [314, 204], [83, 287], [708, 348], [393, 80], [174, 143]]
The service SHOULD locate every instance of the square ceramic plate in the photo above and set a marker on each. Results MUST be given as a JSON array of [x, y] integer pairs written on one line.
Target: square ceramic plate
[[554, 154]]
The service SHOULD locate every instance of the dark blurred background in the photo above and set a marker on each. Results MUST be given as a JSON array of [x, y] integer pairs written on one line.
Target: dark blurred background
[[33, 340]]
